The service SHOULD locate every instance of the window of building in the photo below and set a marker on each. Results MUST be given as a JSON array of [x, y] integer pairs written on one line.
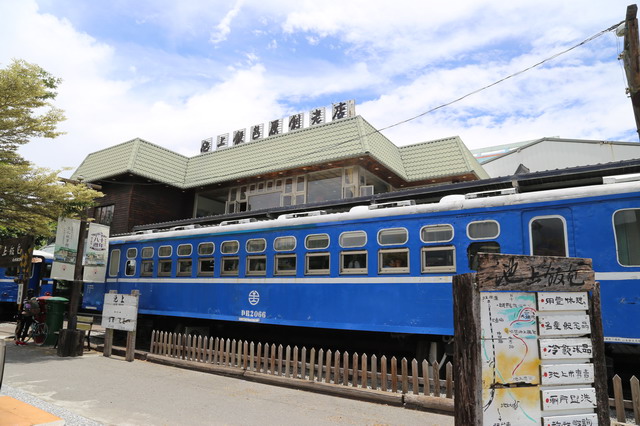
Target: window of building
[[438, 259], [185, 250], [548, 236], [230, 265], [146, 268], [205, 249], [317, 263], [353, 239], [256, 245], [626, 224], [284, 244], [325, 185], [165, 251], [483, 230], [392, 236], [393, 261], [104, 214], [210, 203], [256, 265], [482, 247], [205, 267], [164, 267], [229, 247], [316, 241], [436, 233], [184, 267], [114, 263], [285, 264], [147, 252], [353, 262]]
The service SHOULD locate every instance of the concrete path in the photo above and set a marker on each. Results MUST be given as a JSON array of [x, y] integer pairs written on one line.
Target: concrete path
[[115, 392]]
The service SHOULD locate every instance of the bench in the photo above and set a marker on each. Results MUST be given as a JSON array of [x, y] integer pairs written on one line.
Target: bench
[[84, 322]]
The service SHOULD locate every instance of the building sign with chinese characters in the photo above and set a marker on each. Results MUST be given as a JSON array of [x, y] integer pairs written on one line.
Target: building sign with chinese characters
[[12, 250], [317, 116], [541, 347]]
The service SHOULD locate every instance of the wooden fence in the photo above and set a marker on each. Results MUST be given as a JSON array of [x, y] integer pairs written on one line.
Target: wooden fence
[[621, 405], [343, 369]]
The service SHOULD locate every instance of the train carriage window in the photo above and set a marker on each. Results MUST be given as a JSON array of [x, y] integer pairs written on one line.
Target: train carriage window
[[230, 247], [483, 230], [352, 239], [548, 236], [230, 265], [146, 268], [256, 265], [114, 263], [482, 247], [147, 252], [132, 253], [284, 244], [436, 233], [205, 249], [165, 251], [285, 264], [185, 250], [256, 245], [392, 236], [353, 262], [205, 267], [317, 263], [316, 242], [164, 267], [184, 267], [130, 267], [393, 261], [627, 232], [438, 259]]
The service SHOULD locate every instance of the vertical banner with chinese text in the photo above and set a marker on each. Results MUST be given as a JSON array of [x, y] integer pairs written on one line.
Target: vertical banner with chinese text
[[96, 253], [66, 249]]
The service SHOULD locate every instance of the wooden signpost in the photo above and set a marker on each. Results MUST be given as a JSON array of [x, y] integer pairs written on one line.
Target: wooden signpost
[[529, 345], [120, 312]]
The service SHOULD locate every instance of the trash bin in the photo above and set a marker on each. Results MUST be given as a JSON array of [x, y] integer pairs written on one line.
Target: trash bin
[[55, 317]]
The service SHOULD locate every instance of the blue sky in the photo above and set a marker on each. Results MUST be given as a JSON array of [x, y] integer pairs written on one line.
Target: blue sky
[[174, 73]]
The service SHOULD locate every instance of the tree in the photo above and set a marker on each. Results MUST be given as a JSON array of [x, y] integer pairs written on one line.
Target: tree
[[31, 198]]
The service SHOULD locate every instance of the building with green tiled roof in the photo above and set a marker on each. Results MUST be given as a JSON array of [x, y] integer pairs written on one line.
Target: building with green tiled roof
[[328, 163]]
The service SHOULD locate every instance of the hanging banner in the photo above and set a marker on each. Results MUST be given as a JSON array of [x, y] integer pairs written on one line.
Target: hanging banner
[[66, 249], [95, 254]]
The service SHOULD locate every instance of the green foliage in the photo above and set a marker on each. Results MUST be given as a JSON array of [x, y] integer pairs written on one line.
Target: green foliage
[[32, 199]]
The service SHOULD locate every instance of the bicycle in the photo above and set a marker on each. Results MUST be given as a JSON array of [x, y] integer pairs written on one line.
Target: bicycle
[[38, 331]]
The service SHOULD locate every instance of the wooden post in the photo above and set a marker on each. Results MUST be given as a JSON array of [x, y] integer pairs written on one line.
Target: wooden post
[[599, 366], [466, 357], [131, 336], [631, 60], [108, 337]]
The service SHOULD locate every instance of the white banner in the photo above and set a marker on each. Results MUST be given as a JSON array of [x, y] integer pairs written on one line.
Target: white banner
[[66, 249], [96, 253]]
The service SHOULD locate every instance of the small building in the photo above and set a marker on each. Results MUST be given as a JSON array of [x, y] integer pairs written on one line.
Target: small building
[[552, 154], [343, 161]]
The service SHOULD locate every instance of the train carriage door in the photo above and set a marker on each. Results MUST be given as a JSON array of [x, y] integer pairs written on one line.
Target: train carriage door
[[548, 232]]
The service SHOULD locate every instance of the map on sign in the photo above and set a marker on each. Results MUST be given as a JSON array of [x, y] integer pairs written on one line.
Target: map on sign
[[510, 357]]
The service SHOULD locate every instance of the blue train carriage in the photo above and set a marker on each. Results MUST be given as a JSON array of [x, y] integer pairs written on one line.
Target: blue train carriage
[[39, 281], [383, 268]]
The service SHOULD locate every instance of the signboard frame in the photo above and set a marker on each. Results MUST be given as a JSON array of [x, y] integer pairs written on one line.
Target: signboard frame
[[499, 272]]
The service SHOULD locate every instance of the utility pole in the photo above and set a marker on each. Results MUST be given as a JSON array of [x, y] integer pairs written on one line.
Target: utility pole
[[631, 59]]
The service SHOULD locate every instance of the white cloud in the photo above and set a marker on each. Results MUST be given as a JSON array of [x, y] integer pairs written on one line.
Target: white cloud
[[223, 29]]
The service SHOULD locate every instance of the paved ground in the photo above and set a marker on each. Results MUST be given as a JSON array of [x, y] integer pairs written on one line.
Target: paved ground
[[93, 389]]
